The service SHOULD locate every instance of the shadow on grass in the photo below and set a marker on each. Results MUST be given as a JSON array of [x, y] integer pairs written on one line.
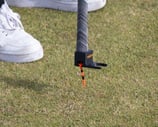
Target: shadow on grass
[[34, 85]]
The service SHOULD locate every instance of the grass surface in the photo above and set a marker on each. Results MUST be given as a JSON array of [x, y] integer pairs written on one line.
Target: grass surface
[[48, 93]]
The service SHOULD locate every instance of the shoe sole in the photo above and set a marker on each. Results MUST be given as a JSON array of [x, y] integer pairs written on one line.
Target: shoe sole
[[25, 58], [57, 4]]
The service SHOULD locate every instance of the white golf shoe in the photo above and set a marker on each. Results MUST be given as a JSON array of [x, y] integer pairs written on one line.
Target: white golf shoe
[[16, 45], [65, 5]]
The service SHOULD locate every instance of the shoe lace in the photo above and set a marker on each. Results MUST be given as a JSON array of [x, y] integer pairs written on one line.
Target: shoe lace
[[8, 19]]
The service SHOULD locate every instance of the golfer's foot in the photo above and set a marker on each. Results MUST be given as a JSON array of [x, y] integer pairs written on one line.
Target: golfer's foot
[[66, 5], [16, 45]]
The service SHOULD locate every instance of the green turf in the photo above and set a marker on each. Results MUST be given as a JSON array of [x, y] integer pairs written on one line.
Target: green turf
[[49, 93]]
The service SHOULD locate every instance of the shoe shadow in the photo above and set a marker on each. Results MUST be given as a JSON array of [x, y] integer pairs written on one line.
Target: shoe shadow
[[34, 85]]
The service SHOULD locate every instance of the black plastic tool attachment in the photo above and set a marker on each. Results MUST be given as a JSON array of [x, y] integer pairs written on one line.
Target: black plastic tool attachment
[[86, 59]]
